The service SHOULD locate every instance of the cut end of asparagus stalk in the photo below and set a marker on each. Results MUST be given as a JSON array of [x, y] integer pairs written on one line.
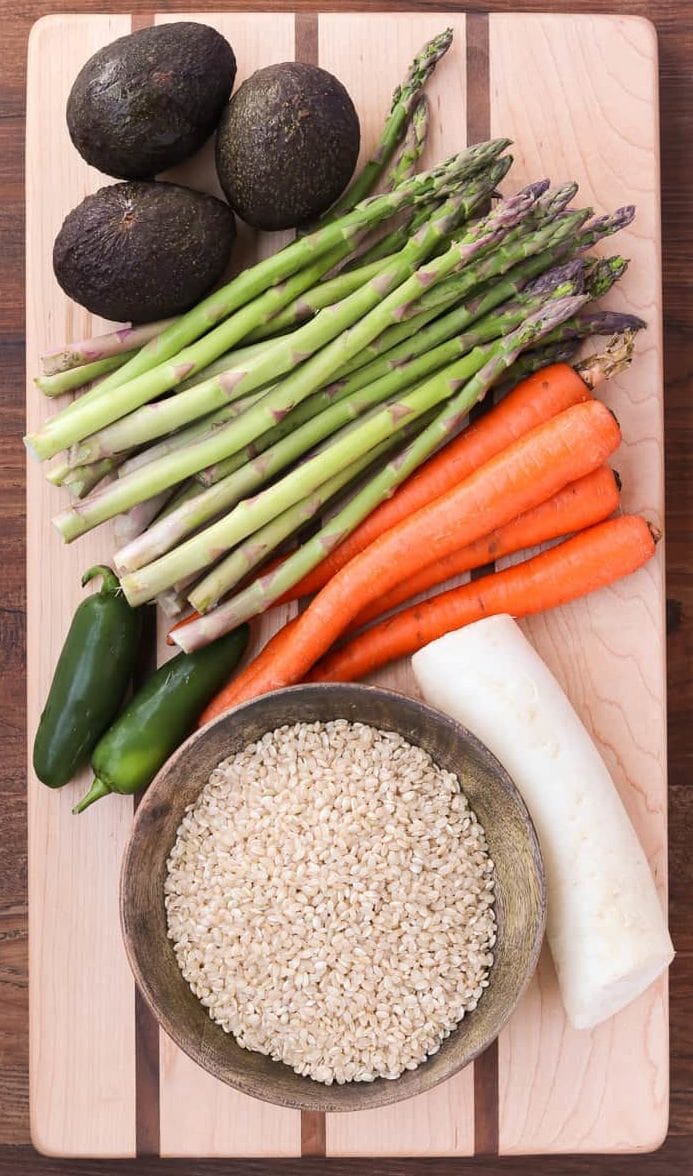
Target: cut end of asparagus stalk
[[67, 525], [606, 364], [32, 444]]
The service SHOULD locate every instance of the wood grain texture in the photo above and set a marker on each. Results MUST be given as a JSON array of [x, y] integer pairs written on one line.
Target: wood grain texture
[[674, 21], [81, 999], [606, 1090]]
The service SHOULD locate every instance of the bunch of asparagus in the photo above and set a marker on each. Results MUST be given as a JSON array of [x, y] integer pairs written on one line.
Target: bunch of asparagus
[[323, 375]]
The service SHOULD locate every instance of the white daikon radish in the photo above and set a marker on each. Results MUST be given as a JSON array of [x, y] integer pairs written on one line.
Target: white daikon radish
[[605, 926]]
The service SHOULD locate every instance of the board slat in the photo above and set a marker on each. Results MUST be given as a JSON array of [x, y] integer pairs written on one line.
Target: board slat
[[368, 51], [579, 97], [199, 1115], [81, 993], [604, 1090]]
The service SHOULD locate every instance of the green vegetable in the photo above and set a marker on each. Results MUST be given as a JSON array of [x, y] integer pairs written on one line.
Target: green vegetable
[[90, 680], [412, 145], [159, 717], [404, 100], [61, 382]]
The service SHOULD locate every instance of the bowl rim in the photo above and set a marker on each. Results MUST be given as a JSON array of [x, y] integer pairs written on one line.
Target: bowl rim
[[387, 1093]]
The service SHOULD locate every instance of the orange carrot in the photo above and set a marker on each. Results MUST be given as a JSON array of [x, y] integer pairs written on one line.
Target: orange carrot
[[525, 474], [581, 504], [590, 560], [535, 400], [236, 690]]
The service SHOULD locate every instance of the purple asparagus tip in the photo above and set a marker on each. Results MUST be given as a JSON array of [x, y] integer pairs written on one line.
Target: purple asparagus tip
[[537, 189], [552, 314], [570, 271], [610, 322], [561, 196], [612, 222]]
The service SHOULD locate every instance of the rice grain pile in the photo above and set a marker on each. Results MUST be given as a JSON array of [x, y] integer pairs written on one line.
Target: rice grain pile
[[330, 901]]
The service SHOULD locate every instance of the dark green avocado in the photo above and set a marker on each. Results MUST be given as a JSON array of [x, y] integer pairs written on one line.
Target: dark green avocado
[[149, 100], [143, 250], [287, 145]]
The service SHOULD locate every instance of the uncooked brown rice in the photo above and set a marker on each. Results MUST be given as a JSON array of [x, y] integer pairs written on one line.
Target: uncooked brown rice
[[330, 901]]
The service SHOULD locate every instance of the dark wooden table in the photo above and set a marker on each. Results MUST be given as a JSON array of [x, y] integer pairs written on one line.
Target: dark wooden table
[[674, 22]]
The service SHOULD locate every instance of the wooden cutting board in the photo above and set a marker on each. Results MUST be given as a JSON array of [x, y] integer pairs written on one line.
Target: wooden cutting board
[[578, 95]]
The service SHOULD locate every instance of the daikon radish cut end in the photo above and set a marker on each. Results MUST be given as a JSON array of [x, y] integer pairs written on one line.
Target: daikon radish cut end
[[616, 994], [605, 926]]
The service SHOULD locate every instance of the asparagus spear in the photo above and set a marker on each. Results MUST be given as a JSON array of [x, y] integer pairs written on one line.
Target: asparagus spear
[[594, 369], [603, 273], [203, 429], [172, 603], [404, 99], [394, 240], [262, 543], [596, 322], [605, 226], [328, 292], [517, 247], [89, 414], [222, 338], [76, 377], [325, 293], [297, 433], [494, 293], [236, 355], [58, 472], [365, 313], [411, 148], [491, 293], [120, 342], [265, 590], [82, 481], [389, 379], [131, 524]]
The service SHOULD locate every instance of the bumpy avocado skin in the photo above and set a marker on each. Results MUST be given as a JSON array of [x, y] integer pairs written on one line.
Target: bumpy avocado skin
[[287, 145], [150, 99], [143, 250]]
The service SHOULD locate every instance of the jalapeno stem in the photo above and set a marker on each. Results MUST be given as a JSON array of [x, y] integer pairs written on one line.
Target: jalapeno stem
[[109, 581], [97, 790]]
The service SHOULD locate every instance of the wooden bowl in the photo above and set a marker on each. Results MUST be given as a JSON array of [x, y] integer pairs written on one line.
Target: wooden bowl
[[519, 890]]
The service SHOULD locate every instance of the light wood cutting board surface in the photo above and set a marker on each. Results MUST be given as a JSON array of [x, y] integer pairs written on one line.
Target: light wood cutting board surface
[[578, 95]]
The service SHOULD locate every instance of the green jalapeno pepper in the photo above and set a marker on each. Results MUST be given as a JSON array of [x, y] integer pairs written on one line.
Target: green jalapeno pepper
[[93, 672], [160, 716]]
